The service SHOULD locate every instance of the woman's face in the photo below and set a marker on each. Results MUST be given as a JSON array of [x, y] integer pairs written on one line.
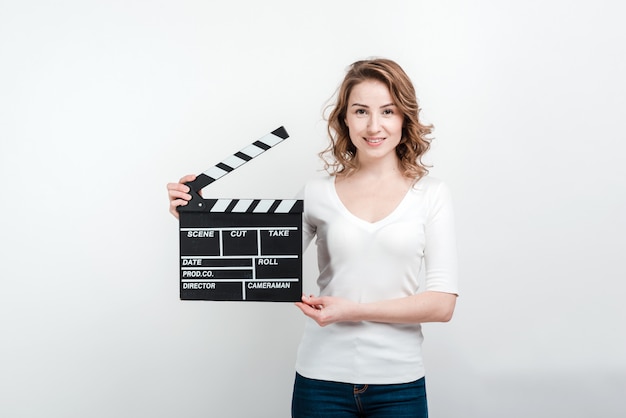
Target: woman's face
[[374, 122]]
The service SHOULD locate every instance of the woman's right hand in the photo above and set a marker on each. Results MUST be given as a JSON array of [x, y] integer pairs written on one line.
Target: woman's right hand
[[178, 193]]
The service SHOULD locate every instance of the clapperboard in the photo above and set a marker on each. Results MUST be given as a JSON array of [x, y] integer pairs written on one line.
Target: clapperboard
[[240, 249]]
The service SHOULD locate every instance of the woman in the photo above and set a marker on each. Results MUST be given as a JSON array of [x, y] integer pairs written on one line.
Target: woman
[[377, 218]]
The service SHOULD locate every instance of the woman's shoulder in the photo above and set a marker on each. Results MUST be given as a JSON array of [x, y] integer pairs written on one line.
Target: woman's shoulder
[[433, 189], [429, 183], [318, 182], [314, 186]]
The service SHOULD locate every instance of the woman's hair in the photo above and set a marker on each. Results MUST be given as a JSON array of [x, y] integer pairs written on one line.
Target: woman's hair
[[340, 156]]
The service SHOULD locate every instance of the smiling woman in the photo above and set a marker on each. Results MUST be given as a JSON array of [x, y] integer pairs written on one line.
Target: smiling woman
[[377, 219]]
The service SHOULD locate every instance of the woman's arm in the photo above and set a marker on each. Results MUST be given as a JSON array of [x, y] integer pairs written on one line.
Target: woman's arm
[[428, 306]]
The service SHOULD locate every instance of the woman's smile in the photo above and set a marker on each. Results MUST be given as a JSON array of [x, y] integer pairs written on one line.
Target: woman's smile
[[374, 141]]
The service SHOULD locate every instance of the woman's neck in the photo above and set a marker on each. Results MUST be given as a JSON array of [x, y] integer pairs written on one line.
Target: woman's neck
[[378, 168]]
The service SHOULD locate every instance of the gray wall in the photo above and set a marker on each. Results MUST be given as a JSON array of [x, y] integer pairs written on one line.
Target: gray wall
[[103, 102]]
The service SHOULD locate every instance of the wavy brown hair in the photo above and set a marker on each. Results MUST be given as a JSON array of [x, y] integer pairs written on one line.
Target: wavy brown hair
[[340, 156]]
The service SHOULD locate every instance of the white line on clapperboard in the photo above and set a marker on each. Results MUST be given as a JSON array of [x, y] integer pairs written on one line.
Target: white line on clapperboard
[[240, 228], [278, 279]]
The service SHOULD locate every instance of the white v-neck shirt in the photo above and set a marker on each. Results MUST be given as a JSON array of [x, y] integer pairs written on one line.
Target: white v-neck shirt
[[370, 261]]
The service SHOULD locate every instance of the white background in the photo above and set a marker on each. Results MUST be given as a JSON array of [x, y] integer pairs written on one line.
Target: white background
[[103, 102]]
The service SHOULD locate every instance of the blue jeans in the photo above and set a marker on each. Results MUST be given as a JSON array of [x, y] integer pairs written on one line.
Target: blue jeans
[[322, 399]]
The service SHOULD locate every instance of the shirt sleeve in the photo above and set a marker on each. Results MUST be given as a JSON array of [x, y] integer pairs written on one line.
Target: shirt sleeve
[[440, 253]]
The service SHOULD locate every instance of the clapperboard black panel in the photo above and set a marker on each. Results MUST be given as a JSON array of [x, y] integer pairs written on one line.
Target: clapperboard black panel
[[240, 249]]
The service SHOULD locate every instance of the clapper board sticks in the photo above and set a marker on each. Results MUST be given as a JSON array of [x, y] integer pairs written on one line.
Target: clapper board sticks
[[240, 249]]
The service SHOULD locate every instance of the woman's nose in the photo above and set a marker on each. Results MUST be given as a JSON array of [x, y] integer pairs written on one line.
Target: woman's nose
[[373, 124]]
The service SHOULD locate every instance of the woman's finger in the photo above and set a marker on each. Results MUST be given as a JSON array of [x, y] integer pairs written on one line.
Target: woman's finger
[[187, 178], [178, 194]]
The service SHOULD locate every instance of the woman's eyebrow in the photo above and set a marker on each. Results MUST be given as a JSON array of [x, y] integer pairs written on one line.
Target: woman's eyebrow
[[366, 106]]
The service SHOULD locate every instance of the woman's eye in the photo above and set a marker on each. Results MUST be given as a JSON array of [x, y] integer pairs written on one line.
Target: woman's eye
[[387, 112], [360, 112]]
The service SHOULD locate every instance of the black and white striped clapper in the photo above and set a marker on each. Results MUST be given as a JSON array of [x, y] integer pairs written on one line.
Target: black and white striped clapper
[[240, 249]]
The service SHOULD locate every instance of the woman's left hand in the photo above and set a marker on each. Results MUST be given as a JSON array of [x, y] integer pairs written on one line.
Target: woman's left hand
[[326, 310]]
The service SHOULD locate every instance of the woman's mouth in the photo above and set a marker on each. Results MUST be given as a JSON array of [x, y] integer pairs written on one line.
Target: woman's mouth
[[374, 140]]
